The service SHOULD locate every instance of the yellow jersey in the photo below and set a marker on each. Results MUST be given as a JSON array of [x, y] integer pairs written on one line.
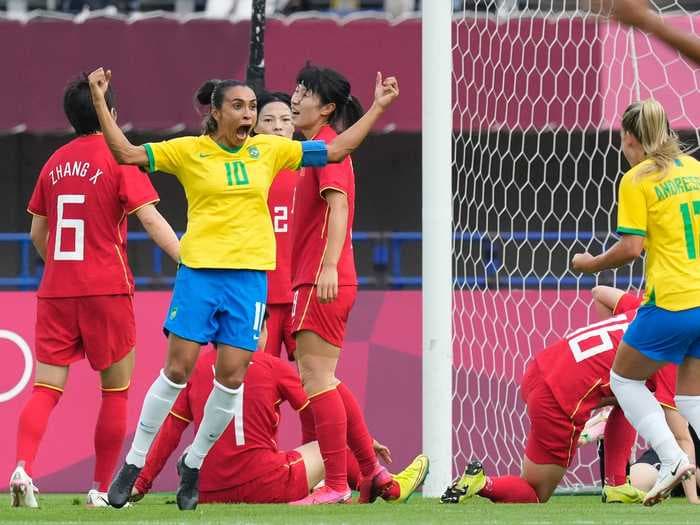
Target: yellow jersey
[[666, 211], [228, 221]]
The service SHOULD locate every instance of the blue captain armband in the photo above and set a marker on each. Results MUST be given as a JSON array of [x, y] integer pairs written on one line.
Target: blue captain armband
[[314, 153]]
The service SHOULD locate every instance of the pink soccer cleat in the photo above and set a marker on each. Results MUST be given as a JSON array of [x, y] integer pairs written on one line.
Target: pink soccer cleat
[[374, 485], [324, 496]]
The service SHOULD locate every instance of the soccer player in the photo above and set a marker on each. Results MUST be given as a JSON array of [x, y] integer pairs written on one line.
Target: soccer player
[[325, 286], [619, 434], [221, 285], [85, 300], [275, 118], [658, 206], [561, 386], [636, 13], [245, 465]]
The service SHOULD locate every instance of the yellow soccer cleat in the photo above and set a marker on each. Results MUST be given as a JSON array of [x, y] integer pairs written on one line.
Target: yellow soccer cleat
[[410, 478], [623, 494], [470, 484]]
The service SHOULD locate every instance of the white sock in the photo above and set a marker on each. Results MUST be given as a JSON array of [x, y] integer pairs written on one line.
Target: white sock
[[156, 405], [645, 414], [218, 413], [689, 408]]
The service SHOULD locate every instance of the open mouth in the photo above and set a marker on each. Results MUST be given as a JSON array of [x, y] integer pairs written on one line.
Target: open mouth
[[243, 131]]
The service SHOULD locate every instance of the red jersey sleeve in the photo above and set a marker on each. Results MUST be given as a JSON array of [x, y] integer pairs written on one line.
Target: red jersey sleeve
[[336, 177], [289, 386], [135, 189], [37, 203], [626, 303]]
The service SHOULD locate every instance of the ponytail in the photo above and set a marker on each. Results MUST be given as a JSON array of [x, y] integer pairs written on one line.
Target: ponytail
[[648, 123], [211, 94]]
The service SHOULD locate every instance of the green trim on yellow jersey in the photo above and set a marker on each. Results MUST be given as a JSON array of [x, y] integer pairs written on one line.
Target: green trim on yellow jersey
[[151, 160], [227, 149], [631, 231]]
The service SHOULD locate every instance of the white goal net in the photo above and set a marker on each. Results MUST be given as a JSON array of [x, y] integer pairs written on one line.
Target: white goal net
[[538, 92]]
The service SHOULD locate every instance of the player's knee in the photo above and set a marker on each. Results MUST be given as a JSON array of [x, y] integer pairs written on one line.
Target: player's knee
[[231, 378], [177, 373]]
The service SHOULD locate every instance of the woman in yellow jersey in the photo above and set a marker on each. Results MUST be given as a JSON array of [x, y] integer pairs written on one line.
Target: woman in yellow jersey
[[658, 210], [221, 286]]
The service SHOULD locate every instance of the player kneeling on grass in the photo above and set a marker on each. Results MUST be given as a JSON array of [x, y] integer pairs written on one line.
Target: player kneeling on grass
[[245, 465], [561, 387]]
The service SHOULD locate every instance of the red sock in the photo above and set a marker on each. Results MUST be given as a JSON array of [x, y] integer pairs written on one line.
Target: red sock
[[359, 439], [308, 426], [509, 489], [33, 421], [618, 441], [353, 470], [109, 435], [331, 430]]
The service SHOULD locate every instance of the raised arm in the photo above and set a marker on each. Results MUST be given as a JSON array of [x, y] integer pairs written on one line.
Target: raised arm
[[123, 150], [636, 13], [385, 92]]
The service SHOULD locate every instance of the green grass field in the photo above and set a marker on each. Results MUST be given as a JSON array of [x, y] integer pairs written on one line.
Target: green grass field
[[160, 509]]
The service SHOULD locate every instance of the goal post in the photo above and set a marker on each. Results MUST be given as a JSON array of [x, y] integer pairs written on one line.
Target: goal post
[[436, 115]]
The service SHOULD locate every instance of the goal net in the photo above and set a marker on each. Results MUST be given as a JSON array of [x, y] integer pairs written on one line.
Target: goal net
[[538, 92]]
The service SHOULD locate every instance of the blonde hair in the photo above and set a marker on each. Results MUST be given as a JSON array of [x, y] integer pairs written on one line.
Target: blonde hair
[[648, 123]]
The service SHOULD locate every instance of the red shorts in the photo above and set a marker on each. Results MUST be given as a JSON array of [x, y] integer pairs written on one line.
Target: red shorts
[[279, 330], [282, 485], [553, 436], [99, 327], [663, 384], [326, 320]]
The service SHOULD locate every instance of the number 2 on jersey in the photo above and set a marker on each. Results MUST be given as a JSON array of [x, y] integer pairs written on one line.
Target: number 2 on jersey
[[281, 215], [78, 252]]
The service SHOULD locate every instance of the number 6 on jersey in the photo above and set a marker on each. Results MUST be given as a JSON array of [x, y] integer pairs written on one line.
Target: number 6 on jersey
[[78, 252]]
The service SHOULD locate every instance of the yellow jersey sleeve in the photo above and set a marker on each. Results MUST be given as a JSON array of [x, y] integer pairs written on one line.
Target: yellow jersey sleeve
[[169, 155], [288, 153], [631, 207]]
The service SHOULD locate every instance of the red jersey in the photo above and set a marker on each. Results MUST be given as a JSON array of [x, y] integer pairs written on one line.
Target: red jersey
[[247, 449], [310, 219], [86, 196], [577, 368], [279, 200]]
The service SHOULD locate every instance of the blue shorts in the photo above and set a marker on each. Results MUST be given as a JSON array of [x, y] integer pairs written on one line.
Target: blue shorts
[[663, 335], [218, 306]]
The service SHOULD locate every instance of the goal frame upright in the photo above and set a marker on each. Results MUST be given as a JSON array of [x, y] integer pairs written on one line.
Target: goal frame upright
[[437, 241]]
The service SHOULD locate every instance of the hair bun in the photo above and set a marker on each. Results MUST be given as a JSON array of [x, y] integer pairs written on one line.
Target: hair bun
[[205, 91]]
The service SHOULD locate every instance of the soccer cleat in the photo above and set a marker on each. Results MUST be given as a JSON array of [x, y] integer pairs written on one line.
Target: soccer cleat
[[668, 479], [410, 478], [374, 485], [120, 489], [622, 494], [22, 489], [595, 427], [188, 491], [95, 498], [470, 484], [324, 496]]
